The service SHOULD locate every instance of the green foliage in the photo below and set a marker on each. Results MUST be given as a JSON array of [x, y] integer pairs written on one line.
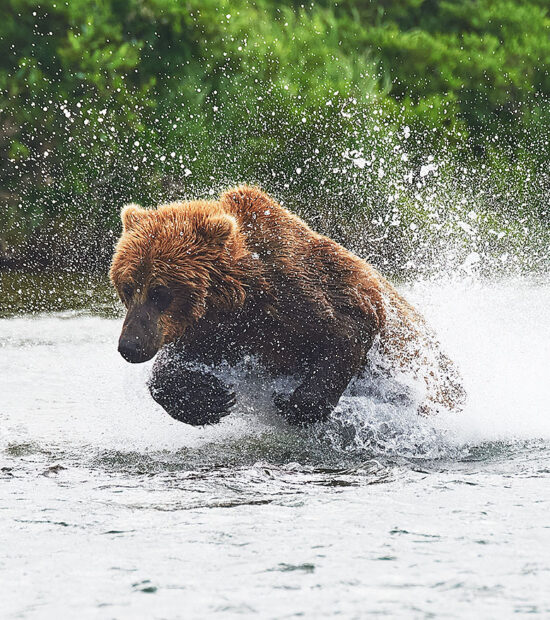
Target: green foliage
[[109, 101], [488, 55]]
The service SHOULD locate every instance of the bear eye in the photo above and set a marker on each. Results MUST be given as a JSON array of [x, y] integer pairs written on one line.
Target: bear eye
[[161, 296], [127, 291]]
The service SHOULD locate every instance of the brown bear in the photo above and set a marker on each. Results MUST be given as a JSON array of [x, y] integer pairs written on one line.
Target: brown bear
[[242, 276]]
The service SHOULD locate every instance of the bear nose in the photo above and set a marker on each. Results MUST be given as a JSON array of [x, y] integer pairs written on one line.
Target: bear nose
[[130, 349]]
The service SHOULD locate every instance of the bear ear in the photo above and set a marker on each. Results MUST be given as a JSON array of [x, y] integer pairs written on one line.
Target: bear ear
[[130, 215], [216, 230], [245, 196]]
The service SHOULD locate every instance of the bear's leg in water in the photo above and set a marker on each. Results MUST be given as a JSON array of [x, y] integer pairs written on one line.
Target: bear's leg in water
[[319, 392], [188, 394]]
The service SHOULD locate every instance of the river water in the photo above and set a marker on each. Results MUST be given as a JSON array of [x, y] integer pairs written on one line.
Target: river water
[[110, 509]]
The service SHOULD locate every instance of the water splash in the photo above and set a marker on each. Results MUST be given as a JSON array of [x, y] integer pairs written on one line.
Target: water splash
[[493, 330]]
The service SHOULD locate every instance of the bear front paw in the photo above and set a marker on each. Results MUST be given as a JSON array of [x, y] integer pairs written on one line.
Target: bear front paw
[[193, 398]]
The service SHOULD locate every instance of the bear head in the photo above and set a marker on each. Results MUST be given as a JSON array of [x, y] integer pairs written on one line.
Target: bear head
[[171, 267]]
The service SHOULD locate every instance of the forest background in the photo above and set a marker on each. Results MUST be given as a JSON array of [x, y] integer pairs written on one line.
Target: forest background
[[410, 130]]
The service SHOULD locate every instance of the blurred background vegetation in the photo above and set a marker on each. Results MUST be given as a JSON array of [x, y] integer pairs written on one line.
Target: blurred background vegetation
[[407, 129]]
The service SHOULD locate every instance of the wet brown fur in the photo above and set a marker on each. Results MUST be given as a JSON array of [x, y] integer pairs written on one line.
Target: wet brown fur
[[250, 277]]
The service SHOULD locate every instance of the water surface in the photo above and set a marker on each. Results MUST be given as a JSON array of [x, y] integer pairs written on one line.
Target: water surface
[[111, 509]]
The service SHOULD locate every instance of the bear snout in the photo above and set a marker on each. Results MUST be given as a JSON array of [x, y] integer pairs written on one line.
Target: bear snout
[[133, 351], [141, 335]]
